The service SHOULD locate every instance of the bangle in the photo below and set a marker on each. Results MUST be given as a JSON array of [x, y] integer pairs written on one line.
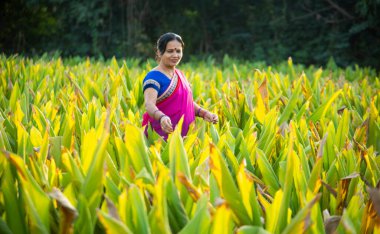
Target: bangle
[[198, 111], [155, 112], [201, 115], [159, 120]]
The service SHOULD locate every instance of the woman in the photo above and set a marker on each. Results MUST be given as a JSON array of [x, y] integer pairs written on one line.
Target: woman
[[167, 93]]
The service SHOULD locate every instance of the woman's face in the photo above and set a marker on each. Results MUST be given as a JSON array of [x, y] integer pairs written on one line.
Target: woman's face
[[172, 55]]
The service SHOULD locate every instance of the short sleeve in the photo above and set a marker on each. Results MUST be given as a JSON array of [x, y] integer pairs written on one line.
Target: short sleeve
[[150, 83]]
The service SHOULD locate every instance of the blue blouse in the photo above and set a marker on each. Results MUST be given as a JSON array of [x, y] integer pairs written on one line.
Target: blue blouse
[[156, 80]]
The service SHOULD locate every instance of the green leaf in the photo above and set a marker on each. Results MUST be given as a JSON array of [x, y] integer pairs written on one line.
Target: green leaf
[[13, 205], [291, 104], [137, 152], [86, 220], [92, 187], [93, 180], [273, 217], [177, 154], [55, 149], [270, 178], [138, 218], [227, 186], [315, 175], [373, 127], [4, 137], [251, 230], [4, 227], [288, 185], [301, 222], [268, 133], [177, 214], [322, 109], [14, 97], [342, 131], [112, 225], [302, 111], [68, 210], [36, 200], [222, 221], [201, 221], [112, 191], [248, 195], [158, 215]]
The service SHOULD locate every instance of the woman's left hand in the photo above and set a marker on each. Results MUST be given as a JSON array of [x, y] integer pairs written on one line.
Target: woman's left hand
[[211, 117]]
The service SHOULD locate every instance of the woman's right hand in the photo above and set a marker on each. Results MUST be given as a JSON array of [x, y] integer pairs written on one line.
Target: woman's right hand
[[166, 124], [211, 117]]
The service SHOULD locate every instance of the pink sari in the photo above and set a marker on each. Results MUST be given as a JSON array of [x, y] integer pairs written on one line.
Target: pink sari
[[175, 102]]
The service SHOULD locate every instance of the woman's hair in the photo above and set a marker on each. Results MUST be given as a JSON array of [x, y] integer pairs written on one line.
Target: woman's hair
[[164, 40]]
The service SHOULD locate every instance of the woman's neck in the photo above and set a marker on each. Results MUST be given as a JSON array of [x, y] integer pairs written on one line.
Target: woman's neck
[[169, 71]]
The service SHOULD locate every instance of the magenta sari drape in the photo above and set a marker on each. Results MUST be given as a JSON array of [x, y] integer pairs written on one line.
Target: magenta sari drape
[[179, 103]]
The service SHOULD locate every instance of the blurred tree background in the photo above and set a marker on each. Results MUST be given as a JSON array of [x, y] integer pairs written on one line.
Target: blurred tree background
[[311, 32]]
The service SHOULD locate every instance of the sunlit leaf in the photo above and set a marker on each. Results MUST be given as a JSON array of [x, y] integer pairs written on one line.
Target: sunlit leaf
[[112, 225], [322, 109], [227, 186], [222, 222]]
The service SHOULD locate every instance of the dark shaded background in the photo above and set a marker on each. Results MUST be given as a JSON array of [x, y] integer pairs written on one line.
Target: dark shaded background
[[311, 32]]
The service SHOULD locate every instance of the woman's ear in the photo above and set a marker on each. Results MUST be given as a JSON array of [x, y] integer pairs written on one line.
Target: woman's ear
[[158, 56]]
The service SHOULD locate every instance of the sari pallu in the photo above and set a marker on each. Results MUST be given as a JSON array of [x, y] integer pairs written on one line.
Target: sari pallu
[[175, 102]]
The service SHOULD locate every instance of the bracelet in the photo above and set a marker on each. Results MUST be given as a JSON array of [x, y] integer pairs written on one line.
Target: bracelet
[[198, 111], [155, 112], [159, 120], [203, 114]]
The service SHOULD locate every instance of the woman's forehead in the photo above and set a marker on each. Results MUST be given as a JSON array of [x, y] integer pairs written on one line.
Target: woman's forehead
[[174, 44]]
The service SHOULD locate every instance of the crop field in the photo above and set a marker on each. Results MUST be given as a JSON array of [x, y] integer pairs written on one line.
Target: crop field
[[296, 150]]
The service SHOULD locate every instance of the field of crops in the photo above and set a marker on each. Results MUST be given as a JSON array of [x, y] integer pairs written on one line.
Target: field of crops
[[296, 150]]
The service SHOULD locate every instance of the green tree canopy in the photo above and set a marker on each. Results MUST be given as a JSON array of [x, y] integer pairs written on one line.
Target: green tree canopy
[[311, 32]]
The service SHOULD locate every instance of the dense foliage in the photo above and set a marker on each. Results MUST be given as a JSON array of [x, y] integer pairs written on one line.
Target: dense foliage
[[296, 150], [269, 30]]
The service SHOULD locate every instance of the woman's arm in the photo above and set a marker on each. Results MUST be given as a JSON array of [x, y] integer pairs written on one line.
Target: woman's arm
[[150, 97], [205, 114]]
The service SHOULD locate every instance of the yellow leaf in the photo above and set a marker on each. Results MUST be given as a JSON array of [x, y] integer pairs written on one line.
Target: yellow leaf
[[88, 149], [263, 90], [35, 137], [19, 114], [272, 215], [260, 111], [245, 186], [222, 223]]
